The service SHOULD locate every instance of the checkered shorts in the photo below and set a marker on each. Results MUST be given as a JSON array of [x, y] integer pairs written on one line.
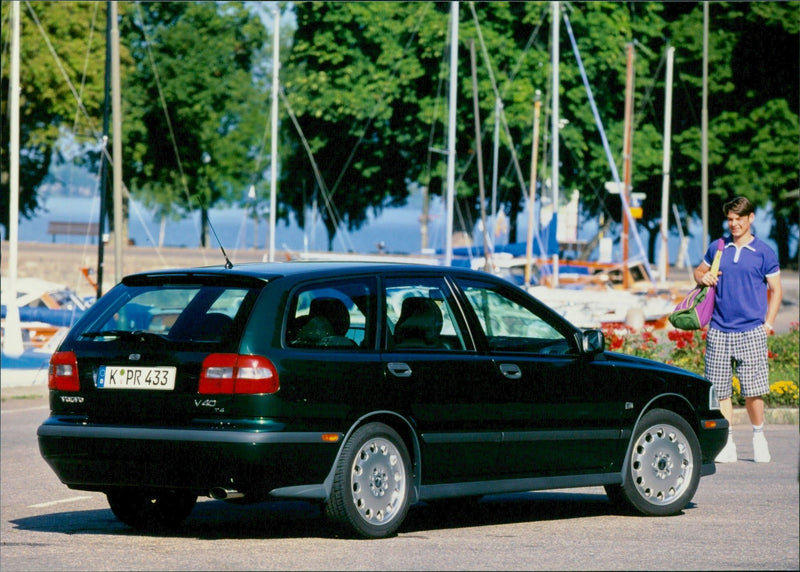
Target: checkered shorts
[[742, 353]]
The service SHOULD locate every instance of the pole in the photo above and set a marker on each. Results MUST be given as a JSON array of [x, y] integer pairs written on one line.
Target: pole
[[116, 118], [664, 253], [495, 159], [12, 343], [537, 105], [704, 135], [556, 18], [479, 151], [451, 134], [104, 162], [626, 156], [273, 170]]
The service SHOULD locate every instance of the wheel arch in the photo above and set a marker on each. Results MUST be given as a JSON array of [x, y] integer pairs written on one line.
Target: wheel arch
[[674, 402], [406, 431]]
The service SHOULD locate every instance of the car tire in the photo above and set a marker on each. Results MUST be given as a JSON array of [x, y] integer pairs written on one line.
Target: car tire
[[372, 481], [663, 469], [151, 509]]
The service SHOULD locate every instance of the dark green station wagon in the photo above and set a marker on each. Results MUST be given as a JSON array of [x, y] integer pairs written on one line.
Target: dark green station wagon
[[364, 387]]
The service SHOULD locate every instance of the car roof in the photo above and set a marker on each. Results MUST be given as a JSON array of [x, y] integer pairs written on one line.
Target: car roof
[[272, 270]]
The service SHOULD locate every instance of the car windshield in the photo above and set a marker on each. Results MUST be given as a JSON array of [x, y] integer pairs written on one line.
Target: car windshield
[[182, 312]]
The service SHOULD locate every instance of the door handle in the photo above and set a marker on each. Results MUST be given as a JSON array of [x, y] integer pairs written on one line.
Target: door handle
[[399, 369], [511, 370]]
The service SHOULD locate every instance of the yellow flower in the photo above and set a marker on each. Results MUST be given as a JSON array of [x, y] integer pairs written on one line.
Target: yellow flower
[[737, 388]]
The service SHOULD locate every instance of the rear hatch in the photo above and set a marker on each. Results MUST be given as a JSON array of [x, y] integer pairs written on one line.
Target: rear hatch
[[140, 350]]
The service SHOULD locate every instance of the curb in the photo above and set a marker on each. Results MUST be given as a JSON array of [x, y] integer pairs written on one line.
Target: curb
[[772, 416]]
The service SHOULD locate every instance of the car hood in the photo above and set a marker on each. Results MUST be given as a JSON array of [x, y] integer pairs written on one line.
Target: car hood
[[629, 360]]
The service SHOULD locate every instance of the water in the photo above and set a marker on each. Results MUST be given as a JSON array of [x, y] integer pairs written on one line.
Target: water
[[397, 228]]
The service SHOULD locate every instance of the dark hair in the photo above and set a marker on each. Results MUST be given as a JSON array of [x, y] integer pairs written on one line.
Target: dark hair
[[738, 205]]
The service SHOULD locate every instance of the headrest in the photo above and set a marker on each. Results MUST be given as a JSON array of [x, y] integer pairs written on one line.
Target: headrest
[[334, 310], [419, 318]]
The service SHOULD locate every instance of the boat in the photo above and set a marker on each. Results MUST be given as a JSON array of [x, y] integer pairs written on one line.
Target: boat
[[44, 308]]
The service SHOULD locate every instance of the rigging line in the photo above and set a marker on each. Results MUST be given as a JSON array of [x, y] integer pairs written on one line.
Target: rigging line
[[370, 119], [86, 63], [81, 106], [614, 172], [317, 174], [163, 101], [435, 115], [63, 71], [503, 120], [648, 99], [513, 75]]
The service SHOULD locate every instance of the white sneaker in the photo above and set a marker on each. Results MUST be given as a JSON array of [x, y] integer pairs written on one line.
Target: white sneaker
[[728, 453], [760, 449]]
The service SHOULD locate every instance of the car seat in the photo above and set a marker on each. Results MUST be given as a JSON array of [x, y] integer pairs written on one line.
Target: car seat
[[419, 325]]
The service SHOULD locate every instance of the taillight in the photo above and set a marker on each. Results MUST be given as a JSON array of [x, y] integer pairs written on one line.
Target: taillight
[[63, 374], [241, 374]]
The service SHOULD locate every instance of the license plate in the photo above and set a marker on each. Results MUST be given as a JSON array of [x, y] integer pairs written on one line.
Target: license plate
[[114, 377]]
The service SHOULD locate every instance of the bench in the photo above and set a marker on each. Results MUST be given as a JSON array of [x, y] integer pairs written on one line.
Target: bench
[[70, 228]]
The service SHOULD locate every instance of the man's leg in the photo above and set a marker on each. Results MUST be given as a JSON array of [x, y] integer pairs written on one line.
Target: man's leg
[[754, 377], [755, 410], [719, 371]]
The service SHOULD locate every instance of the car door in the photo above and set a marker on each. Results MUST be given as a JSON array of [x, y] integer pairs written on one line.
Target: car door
[[330, 362], [436, 377], [562, 407]]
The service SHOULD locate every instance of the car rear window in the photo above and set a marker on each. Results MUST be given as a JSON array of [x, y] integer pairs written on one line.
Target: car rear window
[[183, 312]]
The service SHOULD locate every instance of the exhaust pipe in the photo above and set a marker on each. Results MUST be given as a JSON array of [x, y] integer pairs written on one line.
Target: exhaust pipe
[[221, 493]]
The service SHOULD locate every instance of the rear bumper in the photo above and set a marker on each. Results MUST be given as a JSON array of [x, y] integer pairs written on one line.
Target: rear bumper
[[99, 457]]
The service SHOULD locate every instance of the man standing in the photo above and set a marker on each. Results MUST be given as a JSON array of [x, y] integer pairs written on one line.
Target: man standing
[[742, 320]]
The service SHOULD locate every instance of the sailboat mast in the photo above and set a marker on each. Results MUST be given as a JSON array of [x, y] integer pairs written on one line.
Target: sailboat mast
[[451, 134], [626, 158], [664, 258], [537, 105], [273, 188], [556, 19], [479, 155], [116, 144], [12, 343], [104, 163], [704, 131]]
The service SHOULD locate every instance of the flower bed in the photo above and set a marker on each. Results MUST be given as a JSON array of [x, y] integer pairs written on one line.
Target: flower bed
[[687, 350]]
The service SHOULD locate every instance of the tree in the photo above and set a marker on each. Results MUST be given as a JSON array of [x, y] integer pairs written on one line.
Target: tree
[[753, 109], [196, 105], [48, 108], [348, 80]]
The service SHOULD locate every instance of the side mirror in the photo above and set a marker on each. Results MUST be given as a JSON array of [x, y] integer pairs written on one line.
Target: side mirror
[[593, 342]]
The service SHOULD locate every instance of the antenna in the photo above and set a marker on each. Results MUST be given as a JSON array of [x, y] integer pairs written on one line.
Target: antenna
[[228, 263]]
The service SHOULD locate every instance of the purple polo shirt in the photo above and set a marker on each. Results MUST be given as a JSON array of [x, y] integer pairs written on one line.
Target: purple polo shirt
[[741, 300]]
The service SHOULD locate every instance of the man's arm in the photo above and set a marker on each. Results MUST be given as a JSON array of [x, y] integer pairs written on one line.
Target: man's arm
[[702, 275], [775, 297]]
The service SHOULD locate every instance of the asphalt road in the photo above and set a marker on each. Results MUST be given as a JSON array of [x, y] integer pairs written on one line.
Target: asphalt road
[[745, 517]]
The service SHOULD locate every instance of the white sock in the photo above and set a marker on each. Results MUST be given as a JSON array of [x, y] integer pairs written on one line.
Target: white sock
[[758, 428]]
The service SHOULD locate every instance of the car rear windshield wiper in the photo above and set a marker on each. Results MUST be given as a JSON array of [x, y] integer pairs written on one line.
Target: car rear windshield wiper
[[135, 335]]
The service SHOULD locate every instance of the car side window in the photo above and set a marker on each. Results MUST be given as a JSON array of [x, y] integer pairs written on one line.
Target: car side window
[[508, 324], [419, 315], [333, 316]]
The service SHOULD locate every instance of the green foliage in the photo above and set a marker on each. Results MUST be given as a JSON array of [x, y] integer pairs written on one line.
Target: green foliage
[[192, 125], [47, 104], [367, 83]]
